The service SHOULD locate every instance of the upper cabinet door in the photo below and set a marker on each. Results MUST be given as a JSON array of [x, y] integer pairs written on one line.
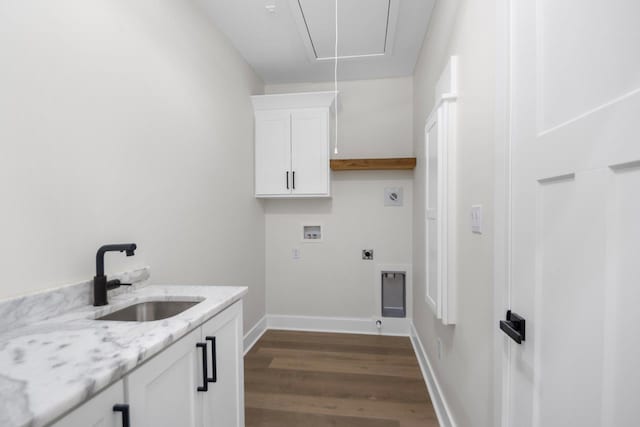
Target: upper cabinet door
[[310, 152], [273, 153]]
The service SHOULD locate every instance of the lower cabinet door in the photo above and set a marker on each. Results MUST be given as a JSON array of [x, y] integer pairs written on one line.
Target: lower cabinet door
[[223, 405], [98, 411], [164, 391]]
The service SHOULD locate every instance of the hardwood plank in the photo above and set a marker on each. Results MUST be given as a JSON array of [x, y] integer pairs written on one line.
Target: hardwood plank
[[320, 341], [413, 413], [348, 348], [395, 359], [334, 338], [367, 367], [338, 385], [404, 163], [277, 418]]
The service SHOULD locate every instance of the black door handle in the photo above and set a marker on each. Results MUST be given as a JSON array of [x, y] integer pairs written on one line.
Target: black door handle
[[294, 179], [287, 180], [205, 383], [514, 326], [125, 413], [214, 361]]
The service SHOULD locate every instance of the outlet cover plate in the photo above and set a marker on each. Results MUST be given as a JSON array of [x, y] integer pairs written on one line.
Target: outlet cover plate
[[476, 219]]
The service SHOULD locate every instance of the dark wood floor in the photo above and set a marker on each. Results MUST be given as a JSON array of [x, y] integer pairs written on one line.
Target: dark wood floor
[[315, 379]]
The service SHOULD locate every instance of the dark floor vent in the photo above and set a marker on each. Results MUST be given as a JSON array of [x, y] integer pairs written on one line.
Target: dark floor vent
[[394, 294]]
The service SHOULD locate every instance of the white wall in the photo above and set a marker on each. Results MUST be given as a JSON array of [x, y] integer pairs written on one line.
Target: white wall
[[330, 278], [465, 28], [125, 121]]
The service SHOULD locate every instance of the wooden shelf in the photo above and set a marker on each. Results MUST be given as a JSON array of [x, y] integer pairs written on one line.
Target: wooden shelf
[[404, 163]]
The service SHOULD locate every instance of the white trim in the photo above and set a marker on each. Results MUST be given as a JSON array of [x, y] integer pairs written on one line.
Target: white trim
[[502, 212], [292, 101], [352, 325], [254, 334], [444, 118], [443, 412], [502, 209]]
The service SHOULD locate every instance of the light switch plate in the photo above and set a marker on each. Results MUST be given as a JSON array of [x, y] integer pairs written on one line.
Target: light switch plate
[[295, 254], [476, 219], [393, 196]]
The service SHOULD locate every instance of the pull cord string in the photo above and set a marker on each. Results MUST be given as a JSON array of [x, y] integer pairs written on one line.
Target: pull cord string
[[335, 81]]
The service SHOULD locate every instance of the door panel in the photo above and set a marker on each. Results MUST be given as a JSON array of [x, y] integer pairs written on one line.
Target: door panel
[[310, 151], [273, 152], [223, 404], [163, 391], [622, 349], [568, 301], [584, 62], [574, 206]]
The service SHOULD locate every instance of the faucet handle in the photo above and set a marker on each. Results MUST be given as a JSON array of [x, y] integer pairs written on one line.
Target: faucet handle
[[112, 284]]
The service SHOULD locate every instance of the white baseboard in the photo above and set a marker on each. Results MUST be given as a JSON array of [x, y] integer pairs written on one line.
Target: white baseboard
[[251, 337], [445, 419], [354, 325]]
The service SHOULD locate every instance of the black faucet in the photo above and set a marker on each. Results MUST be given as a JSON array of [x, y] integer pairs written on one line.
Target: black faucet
[[100, 284]]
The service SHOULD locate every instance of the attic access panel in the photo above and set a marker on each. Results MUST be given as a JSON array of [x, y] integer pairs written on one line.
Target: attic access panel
[[364, 26]]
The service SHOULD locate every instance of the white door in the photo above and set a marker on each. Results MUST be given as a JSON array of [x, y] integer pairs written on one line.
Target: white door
[[164, 391], [575, 206], [273, 153], [223, 404], [98, 411], [310, 152]]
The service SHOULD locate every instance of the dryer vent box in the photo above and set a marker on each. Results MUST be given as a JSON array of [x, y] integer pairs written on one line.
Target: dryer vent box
[[394, 294]]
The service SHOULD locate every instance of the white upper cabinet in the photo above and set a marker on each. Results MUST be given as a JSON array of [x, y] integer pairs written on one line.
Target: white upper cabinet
[[292, 139]]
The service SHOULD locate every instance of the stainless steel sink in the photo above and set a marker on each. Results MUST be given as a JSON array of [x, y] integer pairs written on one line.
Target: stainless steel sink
[[149, 311]]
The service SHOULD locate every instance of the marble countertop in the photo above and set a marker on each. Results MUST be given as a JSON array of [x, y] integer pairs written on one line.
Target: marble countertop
[[50, 366]]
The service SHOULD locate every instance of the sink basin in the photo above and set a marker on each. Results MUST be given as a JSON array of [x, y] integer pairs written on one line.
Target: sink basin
[[149, 311]]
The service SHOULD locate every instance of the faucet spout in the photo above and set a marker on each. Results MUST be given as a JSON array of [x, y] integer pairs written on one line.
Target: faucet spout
[[100, 280]]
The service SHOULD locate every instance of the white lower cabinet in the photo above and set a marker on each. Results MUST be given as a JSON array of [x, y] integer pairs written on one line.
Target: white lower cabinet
[[98, 411], [175, 388]]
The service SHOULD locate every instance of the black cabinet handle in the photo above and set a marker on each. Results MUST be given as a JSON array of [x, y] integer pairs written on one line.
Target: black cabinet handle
[[205, 383], [287, 180], [214, 361], [294, 179], [514, 326], [125, 413]]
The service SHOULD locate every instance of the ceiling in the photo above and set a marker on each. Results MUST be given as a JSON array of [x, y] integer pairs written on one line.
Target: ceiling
[[289, 41]]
